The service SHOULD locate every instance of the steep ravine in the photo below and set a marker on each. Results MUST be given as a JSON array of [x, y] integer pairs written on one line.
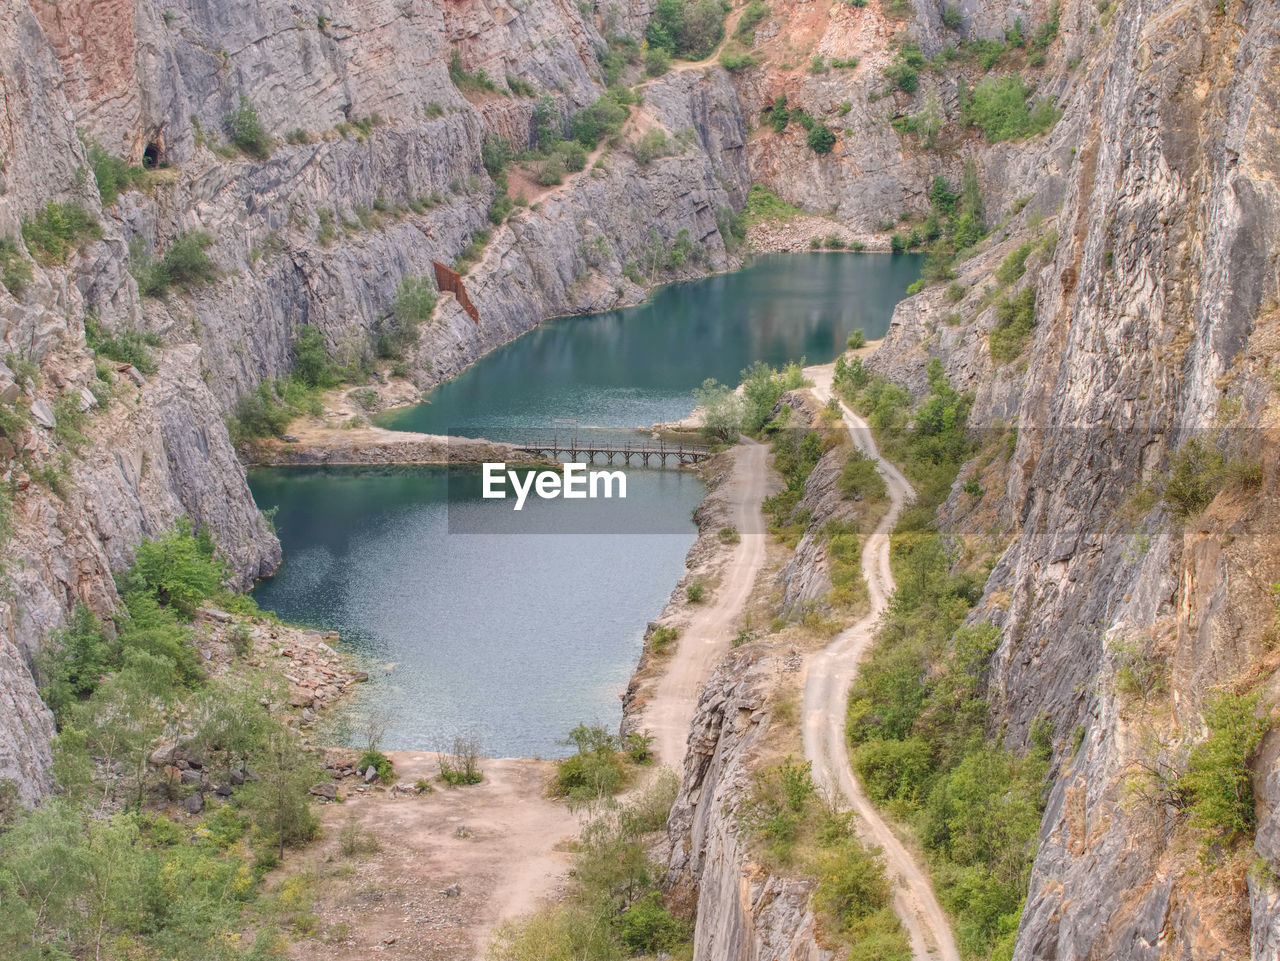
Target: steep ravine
[[1155, 307]]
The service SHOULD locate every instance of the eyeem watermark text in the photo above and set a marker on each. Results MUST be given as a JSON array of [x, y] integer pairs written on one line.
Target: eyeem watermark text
[[573, 482]]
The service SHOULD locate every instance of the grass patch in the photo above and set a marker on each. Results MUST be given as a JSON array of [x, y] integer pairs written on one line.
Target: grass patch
[[764, 206]]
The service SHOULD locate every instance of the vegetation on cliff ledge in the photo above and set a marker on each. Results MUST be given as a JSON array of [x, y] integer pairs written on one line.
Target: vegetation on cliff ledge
[[132, 857]]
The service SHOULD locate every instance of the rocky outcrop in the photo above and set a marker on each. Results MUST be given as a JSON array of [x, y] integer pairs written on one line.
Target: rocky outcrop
[[743, 911]]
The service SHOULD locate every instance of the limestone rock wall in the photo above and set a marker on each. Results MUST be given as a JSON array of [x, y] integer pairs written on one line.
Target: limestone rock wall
[[1154, 311], [363, 116]]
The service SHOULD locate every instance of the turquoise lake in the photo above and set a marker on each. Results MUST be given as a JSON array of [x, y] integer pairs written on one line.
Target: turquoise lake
[[516, 635]]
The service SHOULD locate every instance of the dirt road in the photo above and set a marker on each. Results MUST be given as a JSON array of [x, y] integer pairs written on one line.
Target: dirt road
[[829, 674], [709, 633]]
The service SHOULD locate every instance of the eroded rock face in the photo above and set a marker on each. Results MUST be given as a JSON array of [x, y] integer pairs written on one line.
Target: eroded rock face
[[1152, 308], [743, 911]]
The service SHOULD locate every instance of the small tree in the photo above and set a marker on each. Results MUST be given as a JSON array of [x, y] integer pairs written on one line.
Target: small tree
[[721, 410], [820, 138], [286, 771]]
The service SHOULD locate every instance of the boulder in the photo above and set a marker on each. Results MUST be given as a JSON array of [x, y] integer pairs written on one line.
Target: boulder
[[370, 774], [194, 803], [42, 413], [165, 754], [128, 370], [328, 791]]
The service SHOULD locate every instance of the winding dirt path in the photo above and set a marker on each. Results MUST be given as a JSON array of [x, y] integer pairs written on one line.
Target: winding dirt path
[[669, 713], [830, 673]]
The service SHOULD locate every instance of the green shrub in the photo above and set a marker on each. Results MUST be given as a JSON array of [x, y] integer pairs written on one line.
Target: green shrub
[[764, 206], [575, 156], [694, 592], [952, 17], [820, 138], [462, 767], [1014, 265], [894, 770], [112, 175], [551, 172], [860, 480], [379, 762], [311, 363], [652, 144], [15, 272], [69, 419], [735, 60], [1015, 320], [179, 567], [721, 411], [595, 771], [638, 746], [352, 842], [414, 305], [604, 118], [690, 29], [998, 107], [496, 154], [415, 301], [245, 131], [754, 12], [657, 61], [477, 81], [903, 76], [729, 535], [57, 230], [267, 411], [662, 637], [74, 660], [1047, 32], [1197, 472], [1218, 780], [648, 928], [851, 886], [777, 806], [157, 633], [185, 264]]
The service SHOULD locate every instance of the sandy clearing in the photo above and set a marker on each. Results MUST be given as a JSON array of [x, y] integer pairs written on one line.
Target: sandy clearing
[[503, 841], [829, 673], [708, 634]]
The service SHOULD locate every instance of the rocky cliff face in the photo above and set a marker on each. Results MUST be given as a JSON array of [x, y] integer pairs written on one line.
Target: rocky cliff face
[[1155, 316], [365, 117], [743, 911]]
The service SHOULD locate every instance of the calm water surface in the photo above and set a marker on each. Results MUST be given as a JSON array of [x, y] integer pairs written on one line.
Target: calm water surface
[[637, 366], [518, 634]]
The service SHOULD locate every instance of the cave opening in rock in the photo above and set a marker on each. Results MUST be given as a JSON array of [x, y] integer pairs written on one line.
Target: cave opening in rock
[[152, 155]]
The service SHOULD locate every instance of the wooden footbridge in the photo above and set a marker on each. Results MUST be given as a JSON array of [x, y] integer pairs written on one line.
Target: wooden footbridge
[[645, 454]]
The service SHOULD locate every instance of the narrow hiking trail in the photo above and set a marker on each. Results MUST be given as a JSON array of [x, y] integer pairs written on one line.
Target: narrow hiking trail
[[708, 635], [830, 673]]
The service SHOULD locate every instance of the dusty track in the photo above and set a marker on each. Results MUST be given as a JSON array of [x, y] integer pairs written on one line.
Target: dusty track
[[829, 674], [708, 635]]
